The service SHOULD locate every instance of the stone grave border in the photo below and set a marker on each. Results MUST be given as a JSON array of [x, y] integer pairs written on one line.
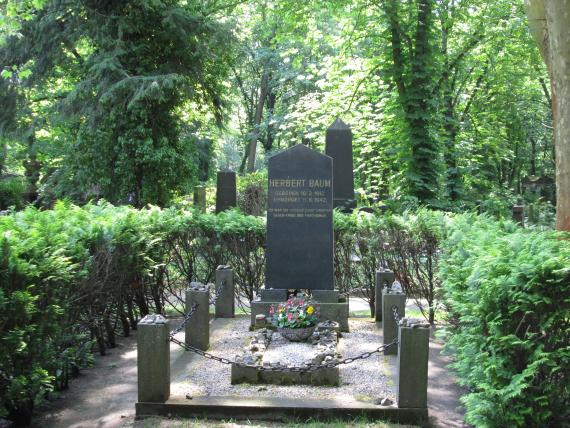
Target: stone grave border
[[153, 362]]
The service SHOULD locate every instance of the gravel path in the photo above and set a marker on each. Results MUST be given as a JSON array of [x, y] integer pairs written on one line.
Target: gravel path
[[365, 380]]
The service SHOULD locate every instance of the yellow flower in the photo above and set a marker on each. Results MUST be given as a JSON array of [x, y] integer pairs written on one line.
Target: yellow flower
[[310, 310]]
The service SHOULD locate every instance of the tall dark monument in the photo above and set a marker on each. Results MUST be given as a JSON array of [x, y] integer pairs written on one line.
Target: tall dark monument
[[339, 147], [225, 190], [299, 220]]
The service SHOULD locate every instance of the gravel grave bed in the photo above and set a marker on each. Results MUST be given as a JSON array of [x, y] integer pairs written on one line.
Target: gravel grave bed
[[363, 380]]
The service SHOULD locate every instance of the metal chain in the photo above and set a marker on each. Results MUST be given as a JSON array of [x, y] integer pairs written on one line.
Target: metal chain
[[396, 314], [217, 292], [187, 317], [296, 369]]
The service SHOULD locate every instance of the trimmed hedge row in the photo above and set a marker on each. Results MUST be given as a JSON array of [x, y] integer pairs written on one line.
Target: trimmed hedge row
[[71, 277], [507, 292]]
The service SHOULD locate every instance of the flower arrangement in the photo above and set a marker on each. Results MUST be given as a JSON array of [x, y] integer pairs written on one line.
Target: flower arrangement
[[297, 312]]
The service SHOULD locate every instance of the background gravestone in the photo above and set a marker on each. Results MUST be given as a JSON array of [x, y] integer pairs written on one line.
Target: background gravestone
[[225, 190], [200, 197], [299, 220], [339, 147]]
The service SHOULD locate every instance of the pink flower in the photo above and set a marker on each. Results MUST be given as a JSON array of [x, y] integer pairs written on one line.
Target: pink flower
[[289, 317]]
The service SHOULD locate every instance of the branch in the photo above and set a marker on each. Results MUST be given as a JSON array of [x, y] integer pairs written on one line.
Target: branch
[[477, 37], [545, 90], [372, 70], [49, 98]]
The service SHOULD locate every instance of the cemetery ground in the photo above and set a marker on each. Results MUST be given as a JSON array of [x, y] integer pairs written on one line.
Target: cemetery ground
[[104, 395]]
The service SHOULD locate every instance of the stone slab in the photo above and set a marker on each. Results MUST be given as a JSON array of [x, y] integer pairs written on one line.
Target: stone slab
[[325, 296], [389, 325], [225, 190], [200, 197], [338, 145], [153, 359], [225, 303], [273, 295], [413, 355], [278, 409], [299, 251], [323, 377], [329, 311]]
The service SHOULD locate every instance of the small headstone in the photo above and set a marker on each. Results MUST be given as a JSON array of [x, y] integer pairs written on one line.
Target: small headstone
[[200, 197], [338, 146], [225, 191], [299, 220], [518, 213]]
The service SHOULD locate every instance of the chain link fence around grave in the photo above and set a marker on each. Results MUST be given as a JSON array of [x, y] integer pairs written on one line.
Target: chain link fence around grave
[[289, 369]]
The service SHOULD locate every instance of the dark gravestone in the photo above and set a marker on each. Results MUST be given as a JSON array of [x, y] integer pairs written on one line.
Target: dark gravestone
[[299, 221], [339, 147], [225, 190]]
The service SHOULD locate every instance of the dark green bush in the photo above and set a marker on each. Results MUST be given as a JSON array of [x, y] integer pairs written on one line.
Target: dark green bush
[[70, 275], [507, 291], [12, 193]]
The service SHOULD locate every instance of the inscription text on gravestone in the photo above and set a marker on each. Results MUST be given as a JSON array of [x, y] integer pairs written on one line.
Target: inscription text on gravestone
[[299, 220]]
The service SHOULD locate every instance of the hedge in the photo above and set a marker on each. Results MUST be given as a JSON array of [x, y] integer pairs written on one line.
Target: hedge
[[72, 276], [507, 292]]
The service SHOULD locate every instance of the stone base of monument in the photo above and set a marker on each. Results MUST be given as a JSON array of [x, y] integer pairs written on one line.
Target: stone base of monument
[[268, 349], [331, 307]]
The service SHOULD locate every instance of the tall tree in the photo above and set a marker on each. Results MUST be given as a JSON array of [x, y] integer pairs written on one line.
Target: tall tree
[[549, 22], [135, 66], [411, 75]]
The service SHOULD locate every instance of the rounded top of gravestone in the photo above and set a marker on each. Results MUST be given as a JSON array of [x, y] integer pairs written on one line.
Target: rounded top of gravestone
[[223, 267], [339, 124]]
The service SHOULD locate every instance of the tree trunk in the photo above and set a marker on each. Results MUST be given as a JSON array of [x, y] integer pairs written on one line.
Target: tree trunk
[[257, 121], [32, 168], [549, 22]]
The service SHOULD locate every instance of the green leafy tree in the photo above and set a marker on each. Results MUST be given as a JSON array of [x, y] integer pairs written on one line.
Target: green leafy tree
[[133, 68]]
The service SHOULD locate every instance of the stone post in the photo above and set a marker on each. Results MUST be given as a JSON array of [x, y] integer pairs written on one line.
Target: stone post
[[389, 325], [518, 213], [225, 303], [384, 279], [532, 214], [200, 197], [153, 359], [412, 372], [197, 333]]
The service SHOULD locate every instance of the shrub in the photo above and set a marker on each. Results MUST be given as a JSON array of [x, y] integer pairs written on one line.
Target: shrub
[[12, 193], [508, 295]]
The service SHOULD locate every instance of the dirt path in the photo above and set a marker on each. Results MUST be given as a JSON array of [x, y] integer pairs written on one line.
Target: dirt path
[[104, 395]]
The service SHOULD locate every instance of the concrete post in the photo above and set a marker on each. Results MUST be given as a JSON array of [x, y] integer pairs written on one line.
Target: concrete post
[[200, 197], [384, 279], [389, 325], [413, 353], [153, 359], [225, 303], [197, 333]]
